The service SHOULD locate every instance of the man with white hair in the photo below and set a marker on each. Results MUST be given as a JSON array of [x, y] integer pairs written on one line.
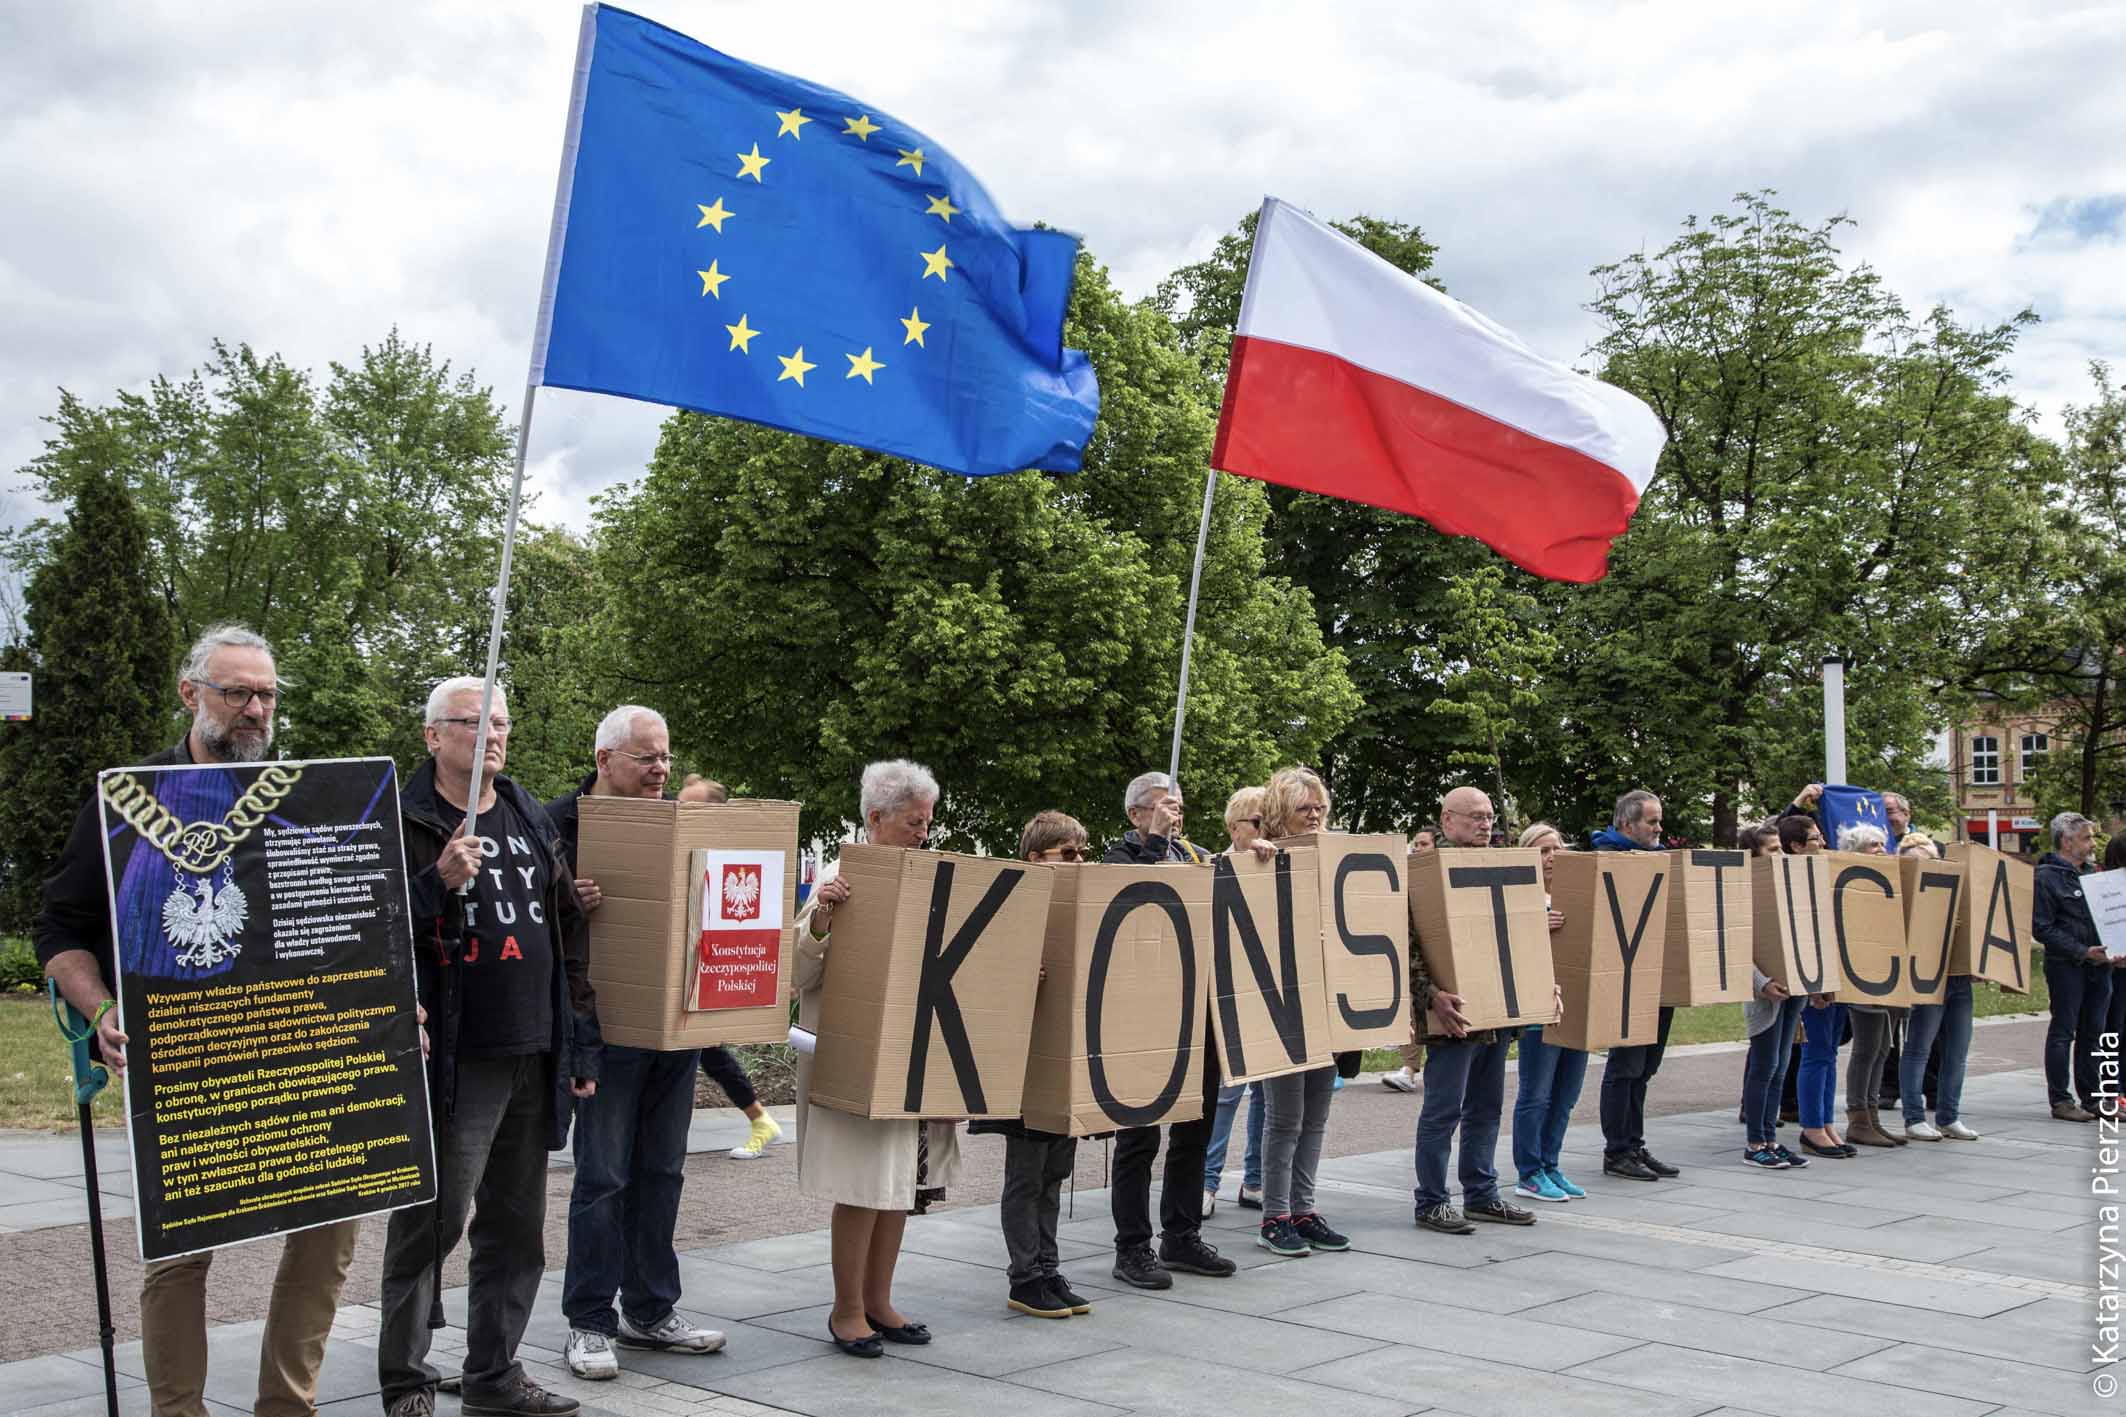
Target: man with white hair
[[499, 956], [2078, 973], [631, 1139], [228, 683]]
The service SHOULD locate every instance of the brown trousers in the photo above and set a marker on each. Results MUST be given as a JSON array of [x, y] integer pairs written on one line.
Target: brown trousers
[[306, 1292]]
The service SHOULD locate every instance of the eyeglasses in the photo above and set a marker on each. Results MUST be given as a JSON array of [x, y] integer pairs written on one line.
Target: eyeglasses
[[237, 696], [663, 760], [497, 724], [1255, 822], [1067, 853], [1481, 818]]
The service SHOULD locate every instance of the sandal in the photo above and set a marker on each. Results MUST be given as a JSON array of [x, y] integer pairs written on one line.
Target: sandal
[[899, 1333], [866, 1347]]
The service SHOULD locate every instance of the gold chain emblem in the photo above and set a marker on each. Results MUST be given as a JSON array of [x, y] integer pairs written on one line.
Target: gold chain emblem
[[198, 847]]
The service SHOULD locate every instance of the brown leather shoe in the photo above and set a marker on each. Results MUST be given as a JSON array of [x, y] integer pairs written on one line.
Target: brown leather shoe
[[2070, 1112], [1861, 1128]]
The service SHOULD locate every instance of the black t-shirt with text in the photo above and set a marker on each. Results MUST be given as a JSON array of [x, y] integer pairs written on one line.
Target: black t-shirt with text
[[508, 981]]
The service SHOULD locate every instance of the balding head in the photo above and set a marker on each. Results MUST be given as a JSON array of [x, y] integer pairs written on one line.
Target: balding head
[[1465, 815]]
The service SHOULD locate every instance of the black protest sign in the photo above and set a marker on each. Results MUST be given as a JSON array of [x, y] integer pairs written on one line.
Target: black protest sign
[[930, 984], [1269, 1011], [1365, 936], [1993, 934], [274, 1078]]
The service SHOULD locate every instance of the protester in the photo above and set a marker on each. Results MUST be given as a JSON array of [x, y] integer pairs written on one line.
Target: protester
[[1937, 1041], [1424, 839], [1037, 1163], [501, 959], [1295, 803], [1465, 1073], [2115, 1016], [1405, 1078], [1243, 825], [703, 789], [1635, 826], [1898, 809], [1551, 1075], [1771, 1017], [1762, 839], [1799, 836], [631, 1138], [873, 1170], [2077, 971], [229, 685], [1153, 804], [1872, 1029]]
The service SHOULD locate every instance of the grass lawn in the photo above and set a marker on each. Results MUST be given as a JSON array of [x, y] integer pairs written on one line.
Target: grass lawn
[[36, 1071], [1722, 1023]]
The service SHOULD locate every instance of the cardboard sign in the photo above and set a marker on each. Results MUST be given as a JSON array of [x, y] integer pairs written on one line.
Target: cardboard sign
[[1269, 1011], [1483, 926], [930, 984], [1610, 955], [1706, 958], [736, 918], [647, 938], [1791, 934], [1365, 937], [1868, 927], [1933, 893], [1119, 1026], [1993, 936], [2106, 893]]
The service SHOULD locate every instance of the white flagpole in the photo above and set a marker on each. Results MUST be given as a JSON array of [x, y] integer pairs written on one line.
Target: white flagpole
[[1188, 630], [494, 623]]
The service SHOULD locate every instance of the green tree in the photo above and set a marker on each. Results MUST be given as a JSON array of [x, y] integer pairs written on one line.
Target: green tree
[[799, 608], [100, 646], [557, 660]]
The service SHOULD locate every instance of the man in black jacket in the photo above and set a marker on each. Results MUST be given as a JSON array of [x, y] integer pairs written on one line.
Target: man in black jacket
[[499, 955], [229, 684], [2077, 971], [1636, 826]]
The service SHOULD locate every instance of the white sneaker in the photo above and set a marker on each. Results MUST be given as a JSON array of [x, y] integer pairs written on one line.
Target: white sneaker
[[1401, 1080], [673, 1334], [1210, 1203], [1957, 1131], [1251, 1197], [590, 1356], [1922, 1131]]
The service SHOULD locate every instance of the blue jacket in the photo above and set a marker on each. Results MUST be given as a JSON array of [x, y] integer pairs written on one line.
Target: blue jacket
[[1610, 839]]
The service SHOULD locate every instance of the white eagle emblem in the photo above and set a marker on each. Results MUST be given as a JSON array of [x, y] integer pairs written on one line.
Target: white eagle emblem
[[741, 892], [205, 929]]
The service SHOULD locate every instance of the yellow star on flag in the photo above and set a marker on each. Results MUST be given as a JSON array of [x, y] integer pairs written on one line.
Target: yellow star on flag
[[915, 324], [750, 164], [791, 122], [741, 336], [911, 159], [862, 364], [713, 216], [794, 367], [862, 126], [712, 281], [935, 263], [940, 206]]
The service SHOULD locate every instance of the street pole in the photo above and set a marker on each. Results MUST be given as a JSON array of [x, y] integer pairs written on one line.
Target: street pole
[[1833, 719]]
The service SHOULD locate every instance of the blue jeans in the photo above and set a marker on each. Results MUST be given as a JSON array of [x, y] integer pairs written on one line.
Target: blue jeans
[[1550, 1087], [1950, 1021], [1764, 1075], [1222, 1133], [631, 1151], [2081, 999], [1465, 1090], [1818, 1089]]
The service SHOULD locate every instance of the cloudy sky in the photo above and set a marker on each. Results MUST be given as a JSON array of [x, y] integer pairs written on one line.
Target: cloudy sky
[[303, 177]]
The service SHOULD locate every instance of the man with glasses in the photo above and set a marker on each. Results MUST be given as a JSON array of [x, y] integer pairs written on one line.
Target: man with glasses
[[228, 684], [1635, 826], [499, 955], [631, 1139]]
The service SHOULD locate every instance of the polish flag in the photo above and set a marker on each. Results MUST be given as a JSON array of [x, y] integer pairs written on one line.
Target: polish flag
[[1355, 380]]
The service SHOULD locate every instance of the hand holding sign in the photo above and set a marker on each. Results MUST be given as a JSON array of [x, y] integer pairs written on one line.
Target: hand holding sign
[[1447, 1014]]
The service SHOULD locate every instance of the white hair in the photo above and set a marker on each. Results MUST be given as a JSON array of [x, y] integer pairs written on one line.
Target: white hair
[[1859, 836], [894, 783], [214, 637], [618, 726], [2066, 824], [1143, 788], [440, 696], [1631, 808]]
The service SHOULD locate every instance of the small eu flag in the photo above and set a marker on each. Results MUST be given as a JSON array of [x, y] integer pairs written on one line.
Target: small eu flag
[[1842, 806], [744, 243]]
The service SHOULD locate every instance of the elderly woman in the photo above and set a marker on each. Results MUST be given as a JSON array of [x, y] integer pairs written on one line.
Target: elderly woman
[[1551, 1076], [871, 1170], [1873, 1026], [1243, 826], [1296, 1106]]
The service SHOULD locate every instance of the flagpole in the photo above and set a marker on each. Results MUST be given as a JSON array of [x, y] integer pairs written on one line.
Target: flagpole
[[1188, 630], [494, 623]]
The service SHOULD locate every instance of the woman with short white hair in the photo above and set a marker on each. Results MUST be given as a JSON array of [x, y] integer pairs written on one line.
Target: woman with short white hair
[[873, 1171], [1872, 1028]]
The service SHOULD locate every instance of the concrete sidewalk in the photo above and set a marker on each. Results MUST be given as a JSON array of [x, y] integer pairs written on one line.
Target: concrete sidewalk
[[1937, 1279]]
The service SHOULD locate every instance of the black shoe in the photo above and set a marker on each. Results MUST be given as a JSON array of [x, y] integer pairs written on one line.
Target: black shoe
[[1278, 1237], [522, 1398], [1316, 1232], [1039, 1298], [1499, 1212], [1656, 1165], [1079, 1304], [1630, 1167], [1136, 1266], [1835, 1152], [899, 1333], [1190, 1255], [869, 1346], [1445, 1219]]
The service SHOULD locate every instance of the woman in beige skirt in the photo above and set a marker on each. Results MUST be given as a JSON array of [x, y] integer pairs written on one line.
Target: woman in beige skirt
[[871, 1170]]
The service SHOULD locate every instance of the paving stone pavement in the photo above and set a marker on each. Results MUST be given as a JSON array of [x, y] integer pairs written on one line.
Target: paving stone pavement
[[1939, 1279]]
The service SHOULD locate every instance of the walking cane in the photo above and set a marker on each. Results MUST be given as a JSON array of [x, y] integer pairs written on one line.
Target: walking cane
[[90, 1078]]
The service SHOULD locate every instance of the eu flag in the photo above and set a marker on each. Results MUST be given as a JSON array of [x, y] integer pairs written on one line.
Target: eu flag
[[1842, 806], [745, 243]]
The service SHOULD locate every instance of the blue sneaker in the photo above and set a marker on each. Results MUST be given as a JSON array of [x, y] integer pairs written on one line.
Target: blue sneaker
[[1537, 1186], [1557, 1178]]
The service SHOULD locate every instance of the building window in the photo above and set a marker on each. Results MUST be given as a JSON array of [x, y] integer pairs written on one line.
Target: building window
[[2035, 746], [1985, 761]]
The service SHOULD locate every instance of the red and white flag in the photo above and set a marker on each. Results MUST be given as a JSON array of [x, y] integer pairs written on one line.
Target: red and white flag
[[1356, 380]]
